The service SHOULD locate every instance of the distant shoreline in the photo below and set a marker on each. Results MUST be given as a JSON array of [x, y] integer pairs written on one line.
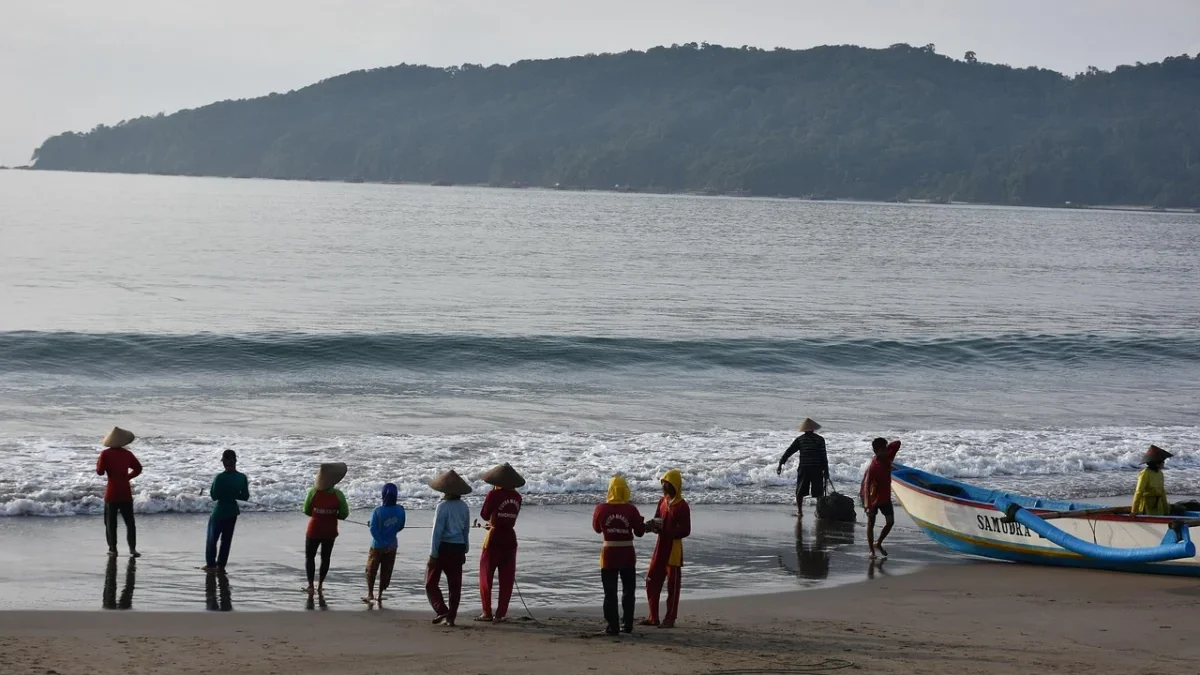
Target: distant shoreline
[[1134, 208]]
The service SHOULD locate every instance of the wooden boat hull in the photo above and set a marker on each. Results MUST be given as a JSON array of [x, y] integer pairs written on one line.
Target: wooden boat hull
[[965, 518]]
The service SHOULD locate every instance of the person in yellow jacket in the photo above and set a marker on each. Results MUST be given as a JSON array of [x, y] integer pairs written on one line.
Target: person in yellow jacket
[[673, 522], [1150, 498]]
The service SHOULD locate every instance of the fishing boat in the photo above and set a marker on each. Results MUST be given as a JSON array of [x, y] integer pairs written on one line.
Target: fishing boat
[[1003, 526]]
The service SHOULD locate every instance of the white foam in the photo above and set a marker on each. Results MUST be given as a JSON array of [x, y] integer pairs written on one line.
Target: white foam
[[56, 477]]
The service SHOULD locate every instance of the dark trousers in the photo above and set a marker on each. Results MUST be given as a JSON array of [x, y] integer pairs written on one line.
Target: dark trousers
[[310, 555], [222, 529], [628, 577], [125, 509], [451, 558]]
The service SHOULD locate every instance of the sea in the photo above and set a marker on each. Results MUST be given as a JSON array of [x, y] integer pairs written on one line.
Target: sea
[[406, 330]]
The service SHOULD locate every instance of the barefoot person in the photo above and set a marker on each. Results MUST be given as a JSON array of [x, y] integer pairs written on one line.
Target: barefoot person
[[673, 522], [448, 546], [119, 464], [387, 520], [500, 510], [618, 522], [876, 492], [228, 488], [324, 506], [1150, 497], [813, 463]]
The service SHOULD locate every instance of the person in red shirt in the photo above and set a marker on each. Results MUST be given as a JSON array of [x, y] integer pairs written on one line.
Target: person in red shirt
[[120, 466], [673, 522], [325, 506], [876, 492], [500, 509], [618, 522]]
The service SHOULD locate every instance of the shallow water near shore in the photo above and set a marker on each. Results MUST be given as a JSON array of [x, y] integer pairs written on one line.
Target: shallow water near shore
[[61, 563]]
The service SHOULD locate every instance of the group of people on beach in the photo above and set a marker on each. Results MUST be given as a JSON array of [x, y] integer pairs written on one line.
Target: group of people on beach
[[812, 477], [616, 520]]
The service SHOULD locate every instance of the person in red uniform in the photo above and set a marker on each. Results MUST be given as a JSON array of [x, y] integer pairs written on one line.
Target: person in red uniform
[[673, 522], [876, 492], [500, 509], [119, 464], [325, 506], [618, 522]]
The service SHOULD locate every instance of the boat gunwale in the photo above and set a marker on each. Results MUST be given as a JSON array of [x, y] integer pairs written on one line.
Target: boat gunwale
[[1116, 517]]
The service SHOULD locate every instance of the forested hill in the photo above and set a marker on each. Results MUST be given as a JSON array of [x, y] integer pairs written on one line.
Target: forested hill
[[903, 122]]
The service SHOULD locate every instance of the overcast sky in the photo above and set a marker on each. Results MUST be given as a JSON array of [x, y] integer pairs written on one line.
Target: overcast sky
[[71, 64]]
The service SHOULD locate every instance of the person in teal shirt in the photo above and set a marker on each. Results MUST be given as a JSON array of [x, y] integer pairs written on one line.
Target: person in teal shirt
[[228, 488]]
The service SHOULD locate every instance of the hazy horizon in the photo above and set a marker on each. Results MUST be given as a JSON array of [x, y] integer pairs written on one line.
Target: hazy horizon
[[81, 64]]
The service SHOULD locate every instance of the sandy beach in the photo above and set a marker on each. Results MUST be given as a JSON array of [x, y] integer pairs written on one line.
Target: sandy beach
[[968, 618]]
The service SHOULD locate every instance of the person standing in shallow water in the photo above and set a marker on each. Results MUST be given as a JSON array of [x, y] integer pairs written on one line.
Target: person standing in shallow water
[[876, 493], [448, 546], [325, 506], [121, 467], [1150, 497], [500, 510], [228, 488], [813, 463], [387, 520]]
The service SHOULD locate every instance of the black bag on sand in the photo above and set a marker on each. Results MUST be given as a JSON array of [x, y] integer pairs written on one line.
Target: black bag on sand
[[836, 506]]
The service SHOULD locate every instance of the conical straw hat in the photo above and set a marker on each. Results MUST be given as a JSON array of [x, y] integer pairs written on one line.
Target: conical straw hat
[[503, 476], [330, 474], [1155, 454], [450, 483], [118, 438], [809, 425]]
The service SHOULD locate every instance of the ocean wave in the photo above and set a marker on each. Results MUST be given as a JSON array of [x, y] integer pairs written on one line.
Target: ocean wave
[[55, 476], [117, 354]]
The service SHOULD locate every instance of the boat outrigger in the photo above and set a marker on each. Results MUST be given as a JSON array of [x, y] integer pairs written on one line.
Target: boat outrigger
[[1004, 526]]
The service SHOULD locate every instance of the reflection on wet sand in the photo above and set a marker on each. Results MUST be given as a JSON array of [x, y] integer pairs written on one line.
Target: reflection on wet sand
[[813, 554], [109, 600], [874, 566], [319, 601], [217, 597]]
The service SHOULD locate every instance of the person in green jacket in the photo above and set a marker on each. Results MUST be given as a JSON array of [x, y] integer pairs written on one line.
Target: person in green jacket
[[227, 489], [325, 506]]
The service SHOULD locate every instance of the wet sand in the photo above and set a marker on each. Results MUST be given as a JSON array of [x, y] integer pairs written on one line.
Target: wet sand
[[967, 618], [60, 563]]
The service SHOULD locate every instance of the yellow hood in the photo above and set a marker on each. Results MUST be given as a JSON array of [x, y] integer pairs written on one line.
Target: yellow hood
[[618, 491], [675, 479]]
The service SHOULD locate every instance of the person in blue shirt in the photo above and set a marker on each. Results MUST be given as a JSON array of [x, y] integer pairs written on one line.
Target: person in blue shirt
[[448, 546], [386, 522]]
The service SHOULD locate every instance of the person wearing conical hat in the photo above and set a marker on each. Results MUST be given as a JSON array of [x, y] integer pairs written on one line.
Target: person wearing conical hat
[[121, 467], [813, 471], [499, 554], [448, 546], [325, 505], [1150, 497], [673, 522], [618, 522]]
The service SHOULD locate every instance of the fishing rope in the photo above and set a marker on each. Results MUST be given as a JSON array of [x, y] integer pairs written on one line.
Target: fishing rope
[[826, 666], [522, 597]]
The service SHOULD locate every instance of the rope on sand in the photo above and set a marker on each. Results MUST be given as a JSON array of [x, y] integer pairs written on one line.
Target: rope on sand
[[826, 666], [522, 597]]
